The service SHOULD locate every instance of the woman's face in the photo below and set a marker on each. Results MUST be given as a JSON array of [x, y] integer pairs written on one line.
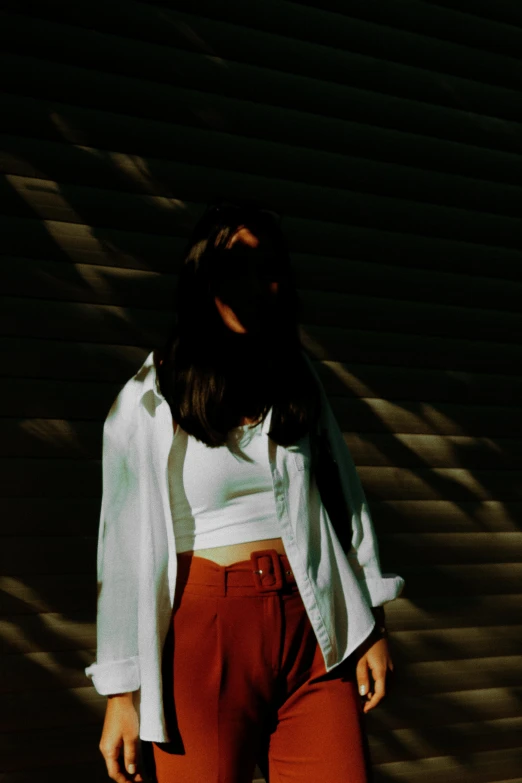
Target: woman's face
[[243, 234]]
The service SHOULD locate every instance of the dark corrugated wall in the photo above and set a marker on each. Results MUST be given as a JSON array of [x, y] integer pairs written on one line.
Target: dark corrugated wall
[[389, 134]]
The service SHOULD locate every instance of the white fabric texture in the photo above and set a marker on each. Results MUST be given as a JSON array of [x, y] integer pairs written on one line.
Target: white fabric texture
[[136, 556]]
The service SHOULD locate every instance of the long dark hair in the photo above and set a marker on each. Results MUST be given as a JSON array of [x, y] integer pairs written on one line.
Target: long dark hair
[[210, 375]]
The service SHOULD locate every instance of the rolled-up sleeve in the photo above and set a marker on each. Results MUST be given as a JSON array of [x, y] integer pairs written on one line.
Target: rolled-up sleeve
[[116, 669]]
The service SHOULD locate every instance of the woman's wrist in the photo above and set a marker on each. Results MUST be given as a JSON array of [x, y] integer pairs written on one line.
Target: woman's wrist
[[380, 622]]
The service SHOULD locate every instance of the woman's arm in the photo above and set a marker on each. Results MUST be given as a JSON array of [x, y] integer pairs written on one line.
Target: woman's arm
[[363, 556], [116, 669]]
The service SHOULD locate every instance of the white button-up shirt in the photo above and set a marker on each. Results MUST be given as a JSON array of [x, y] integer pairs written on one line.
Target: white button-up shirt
[[137, 561]]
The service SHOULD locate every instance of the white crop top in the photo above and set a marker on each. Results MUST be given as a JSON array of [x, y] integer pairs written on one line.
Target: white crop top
[[224, 495]]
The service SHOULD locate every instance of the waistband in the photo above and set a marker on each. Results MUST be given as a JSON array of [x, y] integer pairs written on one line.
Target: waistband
[[266, 571]]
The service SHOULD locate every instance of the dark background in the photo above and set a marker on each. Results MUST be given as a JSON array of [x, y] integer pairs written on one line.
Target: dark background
[[389, 135]]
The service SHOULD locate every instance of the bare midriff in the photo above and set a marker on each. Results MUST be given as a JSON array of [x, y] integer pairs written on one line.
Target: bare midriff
[[232, 553], [226, 555]]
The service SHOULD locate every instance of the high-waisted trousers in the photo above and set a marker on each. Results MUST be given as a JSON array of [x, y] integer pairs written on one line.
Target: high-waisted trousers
[[244, 682]]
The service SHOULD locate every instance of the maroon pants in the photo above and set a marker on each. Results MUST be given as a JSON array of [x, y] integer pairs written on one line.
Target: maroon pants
[[244, 682]]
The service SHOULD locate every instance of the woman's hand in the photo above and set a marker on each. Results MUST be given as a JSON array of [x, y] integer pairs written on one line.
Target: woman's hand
[[375, 659], [121, 732]]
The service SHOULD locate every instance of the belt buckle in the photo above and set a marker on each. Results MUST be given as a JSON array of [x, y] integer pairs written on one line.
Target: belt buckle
[[261, 560]]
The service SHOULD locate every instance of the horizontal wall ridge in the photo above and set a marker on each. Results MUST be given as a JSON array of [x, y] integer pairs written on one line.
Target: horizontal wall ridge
[[27, 157], [436, 14], [224, 32], [480, 293], [396, 145], [19, 63], [478, 9], [464, 226]]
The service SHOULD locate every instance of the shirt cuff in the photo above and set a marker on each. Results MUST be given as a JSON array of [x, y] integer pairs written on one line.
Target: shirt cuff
[[380, 590], [115, 677]]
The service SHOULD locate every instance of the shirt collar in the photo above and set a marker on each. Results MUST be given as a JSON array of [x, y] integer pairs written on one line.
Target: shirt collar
[[266, 423], [148, 378]]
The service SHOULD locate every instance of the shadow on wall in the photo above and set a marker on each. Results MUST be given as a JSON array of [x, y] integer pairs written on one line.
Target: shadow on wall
[[453, 534]]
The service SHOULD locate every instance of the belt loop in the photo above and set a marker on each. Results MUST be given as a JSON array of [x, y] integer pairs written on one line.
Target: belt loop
[[267, 570]]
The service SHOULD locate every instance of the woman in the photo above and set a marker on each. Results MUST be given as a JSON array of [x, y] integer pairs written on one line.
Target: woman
[[233, 628]]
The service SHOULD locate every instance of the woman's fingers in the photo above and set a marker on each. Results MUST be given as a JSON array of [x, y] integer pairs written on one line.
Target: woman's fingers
[[363, 676], [121, 771], [379, 690], [121, 732], [130, 755], [126, 769], [113, 766]]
